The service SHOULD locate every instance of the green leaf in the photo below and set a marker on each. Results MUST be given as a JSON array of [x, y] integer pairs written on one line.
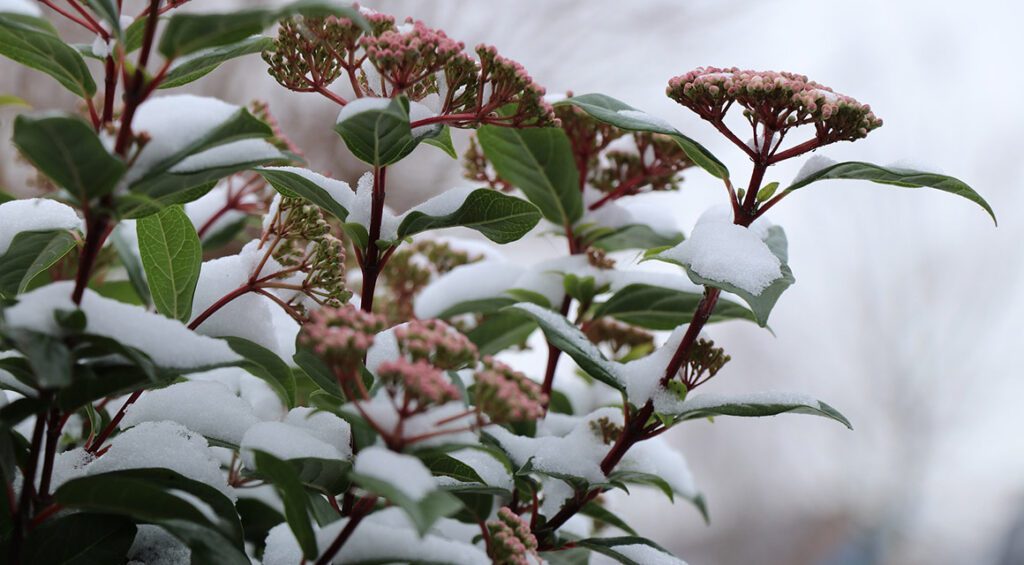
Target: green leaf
[[760, 304], [658, 482], [109, 12], [187, 33], [29, 254], [214, 533], [894, 176], [566, 337], [376, 134], [441, 464], [293, 494], [423, 512], [619, 114], [132, 264], [443, 141], [34, 43], [500, 331], [199, 64], [602, 514], [607, 546], [499, 217], [79, 539], [320, 373], [539, 162], [635, 236], [660, 308], [755, 405], [266, 365], [67, 150], [47, 355], [172, 256], [11, 100], [292, 184]]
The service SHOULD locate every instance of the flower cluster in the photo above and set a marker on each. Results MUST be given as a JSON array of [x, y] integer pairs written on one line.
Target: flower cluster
[[420, 380], [509, 85], [410, 56], [617, 335], [776, 100], [341, 336], [656, 163], [703, 363], [606, 429], [435, 342], [303, 58], [511, 539], [506, 395], [412, 268]]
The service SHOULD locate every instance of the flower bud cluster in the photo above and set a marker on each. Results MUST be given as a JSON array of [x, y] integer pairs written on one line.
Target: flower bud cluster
[[437, 343], [606, 429], [776, 100], [704, 362], [656, 163], [327, 271], [511, 539], [506, 395], [617, 336], [409, 58], [341, 336], [505, 83], [303, 57], [412, 268], [421, 381]]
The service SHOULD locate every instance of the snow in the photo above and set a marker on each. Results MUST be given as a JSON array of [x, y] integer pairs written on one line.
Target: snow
[[404, 472], [475, 281], [711, 400], [646, 118], [34, 214], [657, 457], [578, 453], [208, 408], [384, 348], [168, 445], [722, 214], [154, 546], [242, 151], [361, 206], [324, 426], [382, 411], [730, 254], [25, 7], [384, 536], [642, 377], [556, 493], [284, 441], [167, 342], [360, 105], [490, 469], [68, 465], [250, 316], [417, 112], [813, 165], [443, 204], [265, 402]]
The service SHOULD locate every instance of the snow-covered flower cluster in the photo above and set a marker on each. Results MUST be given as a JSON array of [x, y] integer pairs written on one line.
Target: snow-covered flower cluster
[[341, 335], [435, 342], [420, 380]]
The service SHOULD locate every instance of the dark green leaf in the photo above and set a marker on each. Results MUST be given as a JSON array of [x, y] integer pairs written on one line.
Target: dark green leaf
[[109, 12], [619, 114], [201, 63], [607, 546], [500, 331], [67, 150], [499, 217], [602, 514], [132, 264], [755, 405], [290, 183], [443, 141], [636, 236], [659, 308], [894, 176], [80, 539], [293, 494], [172, 256], [266, 365], [320, 373], [47, 355], [29, 254], [566, 337], [34, 43], [375, 133], [539, 162]]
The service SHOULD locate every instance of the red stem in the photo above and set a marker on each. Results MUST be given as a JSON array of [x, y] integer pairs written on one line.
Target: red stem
[[361, 509], [371, 257]]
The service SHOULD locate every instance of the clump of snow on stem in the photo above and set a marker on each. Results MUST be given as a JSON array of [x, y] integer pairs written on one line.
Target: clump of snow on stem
[[728, 253], [265, 403], [34, 214], [285, 441], [208, 408], [154, 546], [167, 342], [491, 470], [404, 472], [249, 315], [816, 163], [324, 426]]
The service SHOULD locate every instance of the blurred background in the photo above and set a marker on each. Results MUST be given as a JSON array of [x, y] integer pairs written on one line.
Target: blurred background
[[906, 312]]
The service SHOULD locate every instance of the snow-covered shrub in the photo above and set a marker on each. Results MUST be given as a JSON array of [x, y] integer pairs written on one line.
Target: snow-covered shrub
[[252, 408]]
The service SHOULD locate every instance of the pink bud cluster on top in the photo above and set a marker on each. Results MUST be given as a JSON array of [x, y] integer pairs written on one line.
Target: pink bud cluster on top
[[420, 380], [506, 395], [777, 100], [511, 540], [406, 58], [342, 335], [510, 85], [435, 342]]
